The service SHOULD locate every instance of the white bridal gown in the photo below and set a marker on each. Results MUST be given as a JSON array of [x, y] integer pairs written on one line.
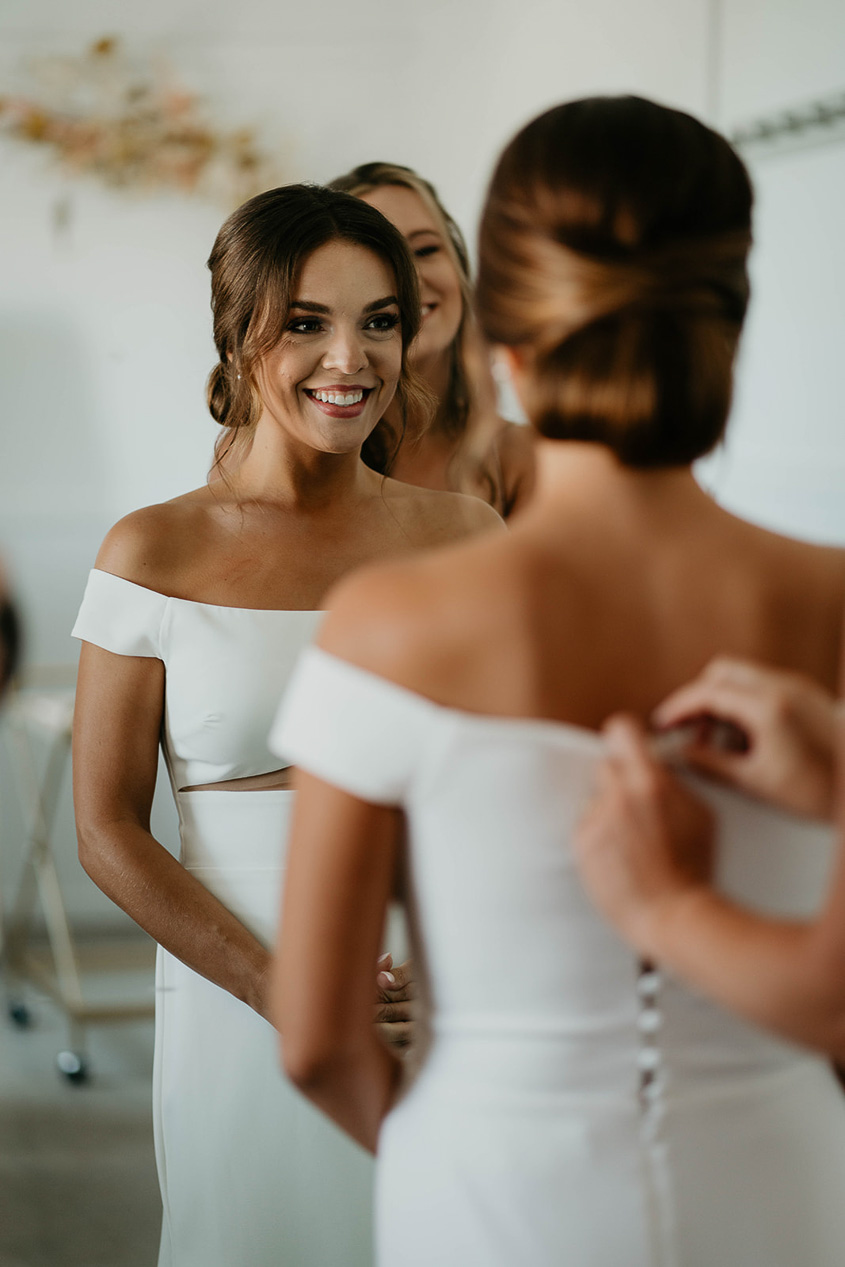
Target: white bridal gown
[[570, 1108], [250, 1174]]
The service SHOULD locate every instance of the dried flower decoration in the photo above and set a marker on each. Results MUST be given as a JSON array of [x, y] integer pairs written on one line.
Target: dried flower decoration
[[133, 128]]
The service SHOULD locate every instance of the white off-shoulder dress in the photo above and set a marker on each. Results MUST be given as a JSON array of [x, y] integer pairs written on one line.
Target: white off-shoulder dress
[[251, 1175], [571, 1107]]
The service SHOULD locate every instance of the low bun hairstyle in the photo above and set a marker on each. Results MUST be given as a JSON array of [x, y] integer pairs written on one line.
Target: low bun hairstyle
[[255, 265], [613, 251]]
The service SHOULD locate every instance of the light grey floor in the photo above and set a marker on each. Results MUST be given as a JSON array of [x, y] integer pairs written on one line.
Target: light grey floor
[[77, 1173]]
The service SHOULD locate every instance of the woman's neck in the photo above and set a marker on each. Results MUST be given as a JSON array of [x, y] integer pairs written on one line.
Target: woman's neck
[[274, 469], [575, 478], [426, 459], [435, 372]]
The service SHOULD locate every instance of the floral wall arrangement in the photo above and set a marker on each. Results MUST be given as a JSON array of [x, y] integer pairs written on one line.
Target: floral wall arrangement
[[128, 124]]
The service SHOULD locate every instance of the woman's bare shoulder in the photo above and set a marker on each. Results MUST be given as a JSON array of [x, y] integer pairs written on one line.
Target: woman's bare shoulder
[[806, 562], [413, 620], [152, 545], [436, 518]]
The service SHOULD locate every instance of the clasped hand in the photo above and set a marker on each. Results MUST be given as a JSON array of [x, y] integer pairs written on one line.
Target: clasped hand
[[394, 1008]]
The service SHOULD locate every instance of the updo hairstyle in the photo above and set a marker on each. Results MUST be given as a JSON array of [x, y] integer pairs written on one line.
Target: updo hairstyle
[[255, 265], [469, 402], [613, 250]]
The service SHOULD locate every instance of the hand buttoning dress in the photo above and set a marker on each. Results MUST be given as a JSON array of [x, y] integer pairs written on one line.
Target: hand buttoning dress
[[250, 1174], [569, 1109]]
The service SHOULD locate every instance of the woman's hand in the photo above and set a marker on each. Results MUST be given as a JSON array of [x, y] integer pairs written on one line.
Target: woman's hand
[[394, 1010], [645, 851], [645, 842], [787, 722]]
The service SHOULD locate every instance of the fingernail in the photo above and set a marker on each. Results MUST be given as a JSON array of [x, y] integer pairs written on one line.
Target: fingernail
[[387, 978], [384, 958]]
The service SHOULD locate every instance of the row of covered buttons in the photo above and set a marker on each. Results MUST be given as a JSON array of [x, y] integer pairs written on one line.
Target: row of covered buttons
[[649, 1022]]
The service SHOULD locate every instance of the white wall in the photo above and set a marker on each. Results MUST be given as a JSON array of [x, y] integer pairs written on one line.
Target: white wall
[[784, 462]]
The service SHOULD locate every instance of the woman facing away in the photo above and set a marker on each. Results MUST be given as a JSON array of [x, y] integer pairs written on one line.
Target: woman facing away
[[465, 446], [569, 1105], [192, 620]]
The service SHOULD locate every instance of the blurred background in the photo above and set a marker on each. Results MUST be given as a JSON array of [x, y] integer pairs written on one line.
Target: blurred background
[[105, 331]]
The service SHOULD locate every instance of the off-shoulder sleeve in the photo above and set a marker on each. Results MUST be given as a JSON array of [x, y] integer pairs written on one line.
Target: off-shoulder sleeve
[[352, 728], [120, 616]]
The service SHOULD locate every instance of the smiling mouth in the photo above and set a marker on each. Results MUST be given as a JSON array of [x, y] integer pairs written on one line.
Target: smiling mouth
[[340, 398], [340, 404]]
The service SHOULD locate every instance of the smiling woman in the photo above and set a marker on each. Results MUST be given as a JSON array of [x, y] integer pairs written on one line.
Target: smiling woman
[[273, 300], [334, 372], [192, 620]]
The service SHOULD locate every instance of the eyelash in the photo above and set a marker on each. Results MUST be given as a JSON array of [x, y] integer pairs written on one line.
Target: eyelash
[[314, 325], [391, 319], [424, 251]]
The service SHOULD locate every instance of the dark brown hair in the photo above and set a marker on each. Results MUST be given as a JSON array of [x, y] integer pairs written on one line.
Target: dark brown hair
[[613, 251], [10, 641], [466, 409], [255, 264]]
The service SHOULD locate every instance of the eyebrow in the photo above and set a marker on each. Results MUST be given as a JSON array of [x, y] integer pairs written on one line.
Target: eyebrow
[[305, 305], [382, 303], [418, 233]]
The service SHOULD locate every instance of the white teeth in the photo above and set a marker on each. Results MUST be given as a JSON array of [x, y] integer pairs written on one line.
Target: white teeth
[[338, 398]]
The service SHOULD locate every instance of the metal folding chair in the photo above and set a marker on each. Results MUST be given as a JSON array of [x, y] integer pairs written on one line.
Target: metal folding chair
[[39, 717]]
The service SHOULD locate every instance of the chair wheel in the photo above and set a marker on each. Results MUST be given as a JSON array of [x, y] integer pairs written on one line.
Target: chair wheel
[[19, 1014], [72, 1066]]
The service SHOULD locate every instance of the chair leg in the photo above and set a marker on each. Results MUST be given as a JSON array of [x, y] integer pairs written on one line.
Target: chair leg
[[39, 876]]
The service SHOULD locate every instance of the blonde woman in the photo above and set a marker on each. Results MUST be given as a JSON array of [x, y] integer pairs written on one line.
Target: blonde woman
[[466, 446]]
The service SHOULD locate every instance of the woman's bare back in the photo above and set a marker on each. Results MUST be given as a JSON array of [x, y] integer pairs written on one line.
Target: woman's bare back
[[577, 614]]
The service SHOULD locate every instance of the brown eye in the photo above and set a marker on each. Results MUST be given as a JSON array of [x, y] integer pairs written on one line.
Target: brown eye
[[383, 321], [305, 325]]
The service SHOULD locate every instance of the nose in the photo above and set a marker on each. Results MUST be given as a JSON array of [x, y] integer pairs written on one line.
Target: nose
[[346, 351]]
